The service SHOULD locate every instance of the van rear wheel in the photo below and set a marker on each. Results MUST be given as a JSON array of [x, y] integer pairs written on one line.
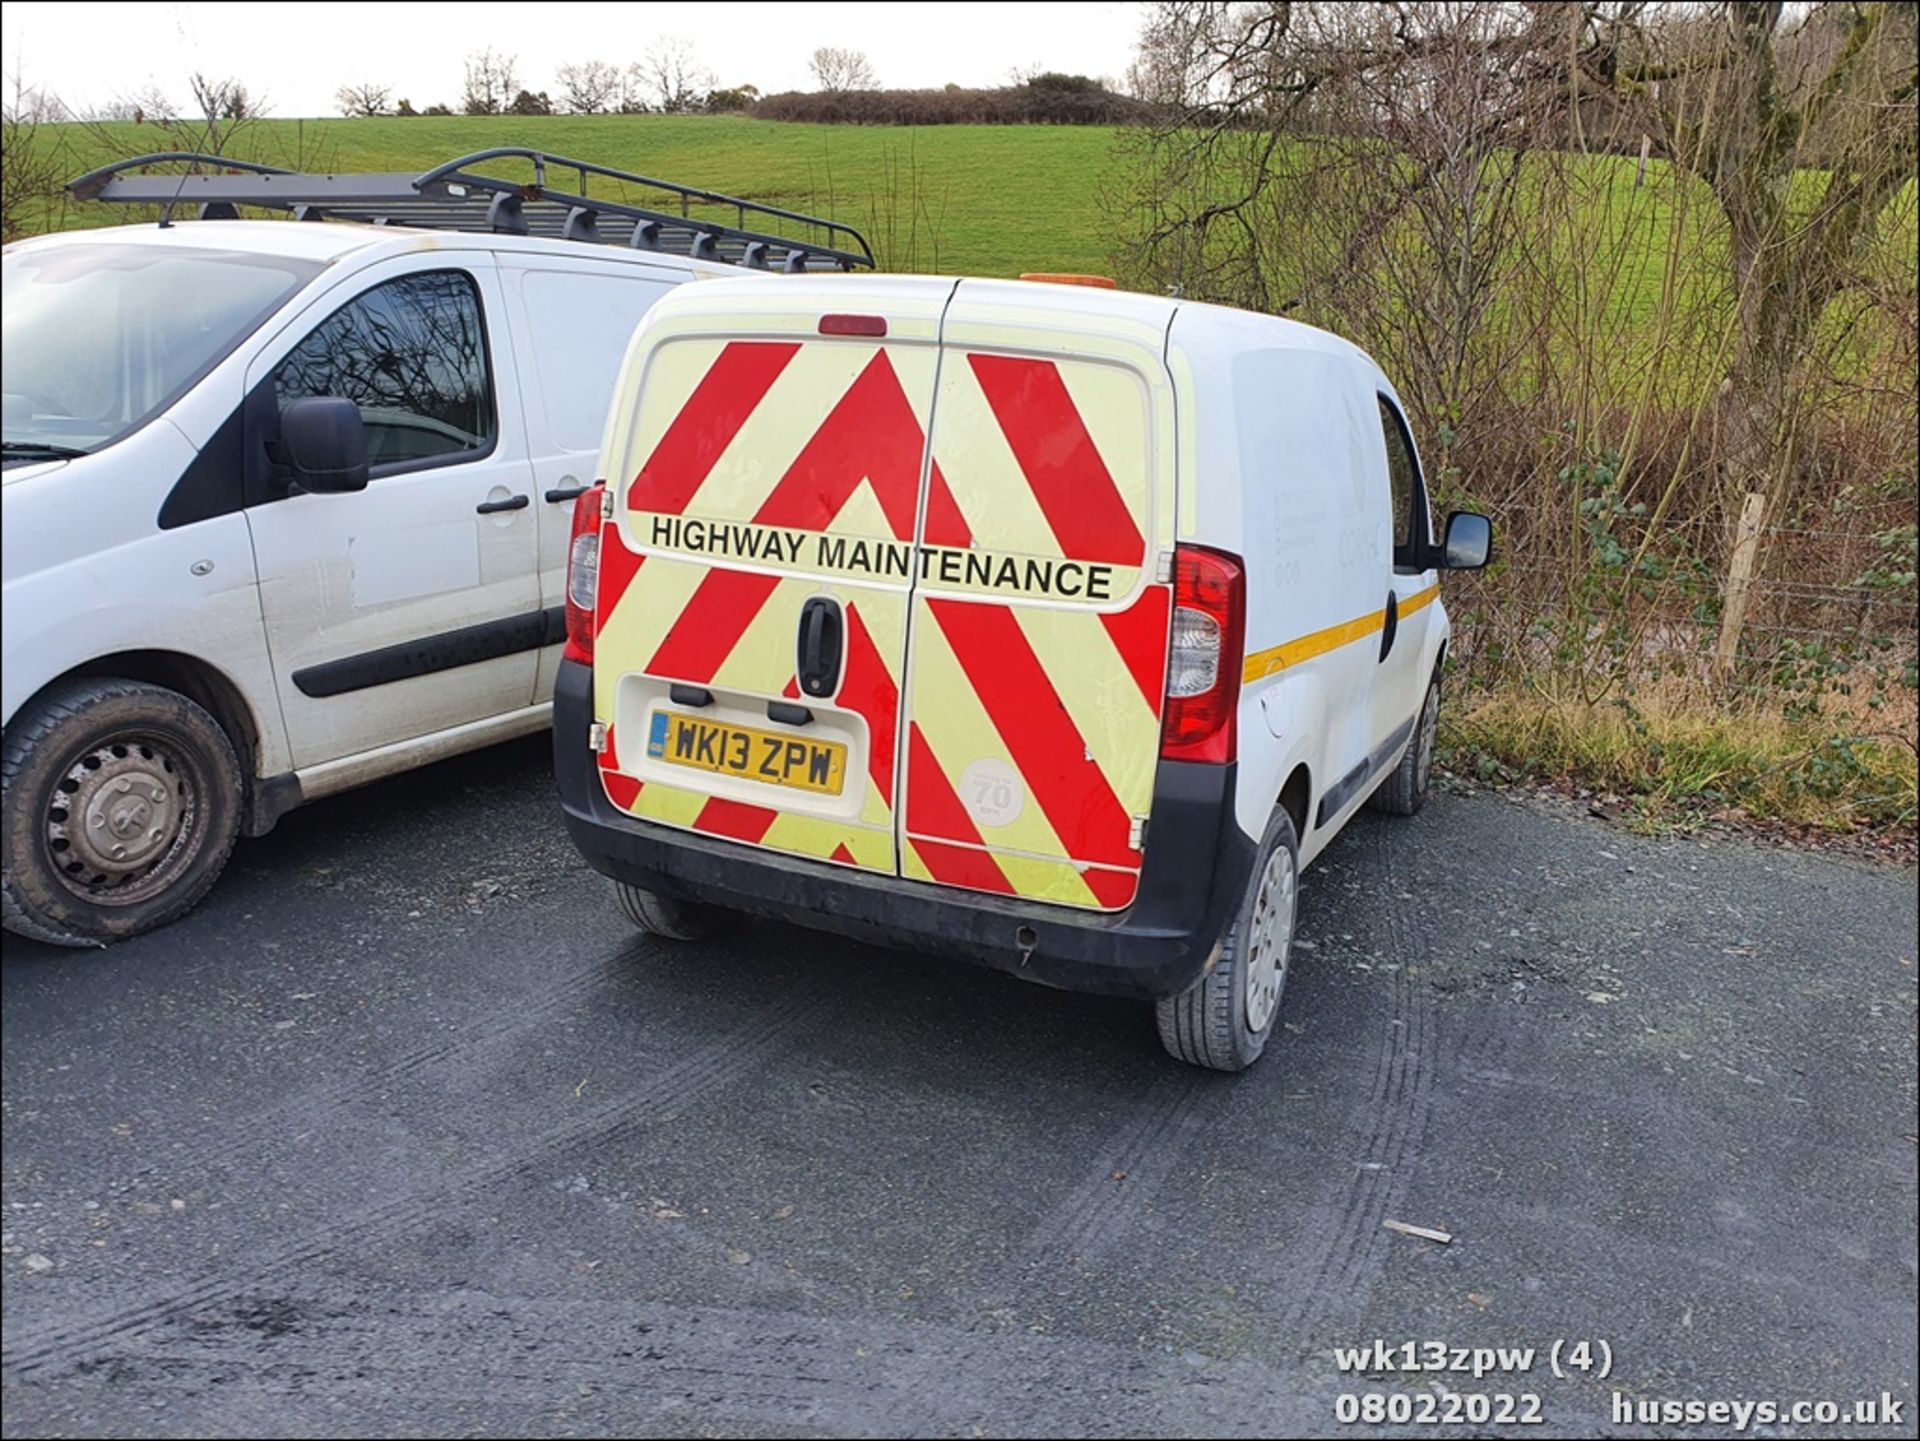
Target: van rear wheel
[[119, 805], [1224, 1019], [669, 916], [1404, 790]]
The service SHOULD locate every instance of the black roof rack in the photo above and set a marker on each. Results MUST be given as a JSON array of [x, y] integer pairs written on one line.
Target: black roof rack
[[454, 197]]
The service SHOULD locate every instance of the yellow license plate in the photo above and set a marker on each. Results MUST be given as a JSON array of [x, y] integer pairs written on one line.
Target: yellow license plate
[[772, 757]]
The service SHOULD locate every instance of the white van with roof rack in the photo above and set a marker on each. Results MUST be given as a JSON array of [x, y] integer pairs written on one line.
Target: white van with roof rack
[[1046, 625], [287, 505]]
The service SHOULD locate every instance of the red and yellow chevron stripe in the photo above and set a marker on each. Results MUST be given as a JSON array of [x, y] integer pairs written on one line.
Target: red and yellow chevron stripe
[[1045, 458], [1018, 610]]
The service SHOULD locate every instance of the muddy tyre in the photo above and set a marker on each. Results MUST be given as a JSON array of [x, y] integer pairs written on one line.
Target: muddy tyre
[[119, 805]]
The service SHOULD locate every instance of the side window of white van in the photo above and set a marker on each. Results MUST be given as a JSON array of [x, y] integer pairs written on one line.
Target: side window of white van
[[1409, 496], [412, 355]]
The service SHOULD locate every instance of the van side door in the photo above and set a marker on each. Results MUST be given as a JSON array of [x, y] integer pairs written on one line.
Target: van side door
[[1411, 587], [413, 606], [572, 322]]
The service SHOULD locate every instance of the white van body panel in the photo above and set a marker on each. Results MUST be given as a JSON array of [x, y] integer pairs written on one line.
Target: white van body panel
[[1288, 461], [89, 572], [574, 315], [88, 576], [1274, 435]]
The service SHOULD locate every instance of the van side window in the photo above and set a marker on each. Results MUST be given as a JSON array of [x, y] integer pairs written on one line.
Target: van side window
[[1409, 497], [411, 354]]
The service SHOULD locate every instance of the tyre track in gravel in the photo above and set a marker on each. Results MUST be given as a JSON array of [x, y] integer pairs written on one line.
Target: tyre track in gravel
[[661, 1098], [1133, 1163], [244, 1139], [663, 1367], [1395, 1121]]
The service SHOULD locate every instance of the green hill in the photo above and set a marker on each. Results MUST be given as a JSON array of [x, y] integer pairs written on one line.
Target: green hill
[[972, 199]]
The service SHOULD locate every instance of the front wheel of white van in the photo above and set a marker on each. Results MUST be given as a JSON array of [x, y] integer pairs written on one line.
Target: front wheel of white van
[[1404, 791], [668, 916], [121, 805], [1223, 1020]]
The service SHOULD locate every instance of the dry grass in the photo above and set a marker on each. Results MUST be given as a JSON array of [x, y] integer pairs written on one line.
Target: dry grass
[[1849, 768]]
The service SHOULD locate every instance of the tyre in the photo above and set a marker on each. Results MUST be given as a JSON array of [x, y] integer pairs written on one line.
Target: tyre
[[1223, 1021], [119, 804], [669, 916], [1404, 790]]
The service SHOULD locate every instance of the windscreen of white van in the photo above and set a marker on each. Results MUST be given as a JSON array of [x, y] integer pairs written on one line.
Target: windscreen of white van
[[100, 338]]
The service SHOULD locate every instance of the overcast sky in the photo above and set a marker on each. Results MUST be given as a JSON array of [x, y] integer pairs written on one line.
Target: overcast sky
[[298, 55]]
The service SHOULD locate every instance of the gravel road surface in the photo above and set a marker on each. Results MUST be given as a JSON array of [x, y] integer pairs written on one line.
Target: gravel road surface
[[406, 1131]]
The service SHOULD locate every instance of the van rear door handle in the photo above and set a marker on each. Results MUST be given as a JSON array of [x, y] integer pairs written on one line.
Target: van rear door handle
[[493, 507], [566, 492], [817, 666], [1392, 624]]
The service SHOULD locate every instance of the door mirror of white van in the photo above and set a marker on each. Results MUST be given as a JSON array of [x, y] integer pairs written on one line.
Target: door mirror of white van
[[1469, 541], [323, 441]]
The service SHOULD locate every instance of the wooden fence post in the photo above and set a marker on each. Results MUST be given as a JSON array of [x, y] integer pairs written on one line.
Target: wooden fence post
[[1746, 545]]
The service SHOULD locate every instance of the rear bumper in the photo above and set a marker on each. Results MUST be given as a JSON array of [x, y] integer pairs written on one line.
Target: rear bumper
[[1197, 864]]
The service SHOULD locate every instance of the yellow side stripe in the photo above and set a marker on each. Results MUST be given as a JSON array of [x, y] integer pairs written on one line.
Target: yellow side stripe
[[1262, 664], [1414, 602]]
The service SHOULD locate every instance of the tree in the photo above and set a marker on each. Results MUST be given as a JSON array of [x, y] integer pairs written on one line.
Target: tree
[[839, 70], [437, 110], [141, 107], [731, 100], [223, 109], [531, 102], [1800, 124], [671, 78], [589, 88], [405, 107], [34, 163], [223, 99], [491, 81], [363, 100], [1804, 132]]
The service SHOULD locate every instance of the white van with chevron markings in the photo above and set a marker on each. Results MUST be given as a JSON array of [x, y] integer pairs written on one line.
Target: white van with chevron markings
[[1042, 624]]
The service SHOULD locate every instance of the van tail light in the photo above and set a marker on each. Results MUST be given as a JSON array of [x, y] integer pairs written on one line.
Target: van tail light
[[583, 572], [1203, 661]]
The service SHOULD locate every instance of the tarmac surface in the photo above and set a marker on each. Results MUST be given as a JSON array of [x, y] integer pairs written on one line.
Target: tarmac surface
[[405, 1130]]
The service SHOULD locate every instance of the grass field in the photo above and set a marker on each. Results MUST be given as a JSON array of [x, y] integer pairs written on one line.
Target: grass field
[[972, 199], [969, 199], [1631, 280]]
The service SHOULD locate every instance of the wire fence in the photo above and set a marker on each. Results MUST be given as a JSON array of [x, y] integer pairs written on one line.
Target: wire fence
[[1825, 618]]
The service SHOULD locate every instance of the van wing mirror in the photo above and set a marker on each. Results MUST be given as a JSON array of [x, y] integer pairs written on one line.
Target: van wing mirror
[[1468, 544], [323, 441]]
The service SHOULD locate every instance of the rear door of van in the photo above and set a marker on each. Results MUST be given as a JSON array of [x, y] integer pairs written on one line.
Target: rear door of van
[[1037, 644], [765, 468]]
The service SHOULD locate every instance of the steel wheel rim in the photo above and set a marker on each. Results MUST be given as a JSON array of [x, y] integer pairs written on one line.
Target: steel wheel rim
[[124, 819], [1270, 938]]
